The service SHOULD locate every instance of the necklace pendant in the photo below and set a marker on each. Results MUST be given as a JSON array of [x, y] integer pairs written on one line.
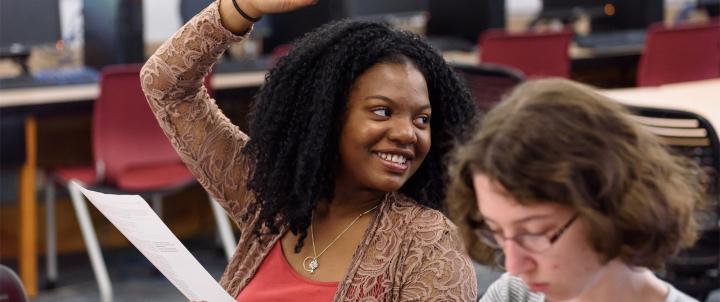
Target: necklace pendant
[[310, 266], [313, 265]]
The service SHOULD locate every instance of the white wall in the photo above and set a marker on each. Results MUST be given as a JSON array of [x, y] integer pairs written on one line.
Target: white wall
[[161, 19], [523, 7], [71, 21]]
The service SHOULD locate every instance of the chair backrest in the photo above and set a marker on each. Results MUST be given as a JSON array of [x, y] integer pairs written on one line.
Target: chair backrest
[[279, 52], [680, 54], [691, 135], [11, 289], [488, 83], [125, 131], [535, 54]]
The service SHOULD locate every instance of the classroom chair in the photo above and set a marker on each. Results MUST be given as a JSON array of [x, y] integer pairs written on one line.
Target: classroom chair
[[694, 270], [11, 289], [279, 52], [131, 156], [535, 54], [681, 53], [488, 83]]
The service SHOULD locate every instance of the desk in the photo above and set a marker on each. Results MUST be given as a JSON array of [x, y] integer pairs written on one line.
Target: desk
[[75, 93], [38, 96], [582, 53], [574, 52], [699, 97]]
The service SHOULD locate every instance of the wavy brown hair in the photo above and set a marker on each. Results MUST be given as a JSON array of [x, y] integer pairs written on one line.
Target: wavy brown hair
[[558, 141]]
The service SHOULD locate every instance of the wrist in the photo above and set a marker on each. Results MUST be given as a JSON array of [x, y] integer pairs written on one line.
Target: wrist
[[247, 11], [231, 20]]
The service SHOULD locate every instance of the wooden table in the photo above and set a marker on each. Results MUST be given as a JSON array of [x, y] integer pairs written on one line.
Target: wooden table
[[74, 93], [38, 96], [699, 97]]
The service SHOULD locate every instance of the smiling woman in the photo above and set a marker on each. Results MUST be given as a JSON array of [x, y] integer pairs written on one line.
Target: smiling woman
[[349, 134], [386, 135], [577, 200]]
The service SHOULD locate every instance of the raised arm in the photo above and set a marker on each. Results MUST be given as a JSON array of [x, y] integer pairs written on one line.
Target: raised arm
[[172, 80]]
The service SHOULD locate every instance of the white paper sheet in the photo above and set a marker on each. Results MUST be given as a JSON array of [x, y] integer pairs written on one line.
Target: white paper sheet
[[139, 223]]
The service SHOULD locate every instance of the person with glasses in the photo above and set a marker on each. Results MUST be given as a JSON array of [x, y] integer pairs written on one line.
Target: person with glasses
[[576, 201]]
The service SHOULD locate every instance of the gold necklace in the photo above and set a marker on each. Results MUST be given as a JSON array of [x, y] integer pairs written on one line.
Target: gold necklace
[[310, 264]]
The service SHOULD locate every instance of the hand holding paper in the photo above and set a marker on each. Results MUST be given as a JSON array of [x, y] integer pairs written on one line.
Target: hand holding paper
[[139, 223]]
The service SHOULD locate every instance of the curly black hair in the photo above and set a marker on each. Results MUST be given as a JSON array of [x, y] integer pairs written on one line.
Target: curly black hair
[[298, 115]]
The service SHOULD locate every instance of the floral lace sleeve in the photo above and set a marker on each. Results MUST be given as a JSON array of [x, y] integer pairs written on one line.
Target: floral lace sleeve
[[437, 269], [206, 140]]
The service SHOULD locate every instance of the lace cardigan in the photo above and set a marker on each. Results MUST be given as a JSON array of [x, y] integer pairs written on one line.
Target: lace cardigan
[[409, 252]]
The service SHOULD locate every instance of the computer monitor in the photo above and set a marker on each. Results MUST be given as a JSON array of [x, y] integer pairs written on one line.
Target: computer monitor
[[567, 9], [711, 6], [25, 24], [363, 8], [607, 15], [190, 8], [287, 27], [635, 14], [113, 32], [464, 19]]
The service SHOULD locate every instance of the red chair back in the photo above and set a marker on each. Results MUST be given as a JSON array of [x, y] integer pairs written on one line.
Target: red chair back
[[279, 52], [488, 83], [125, 131], [11, 288], [680, 54], [535, 54]]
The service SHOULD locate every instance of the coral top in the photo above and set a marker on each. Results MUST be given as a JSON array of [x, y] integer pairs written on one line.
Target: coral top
[[276, 280]]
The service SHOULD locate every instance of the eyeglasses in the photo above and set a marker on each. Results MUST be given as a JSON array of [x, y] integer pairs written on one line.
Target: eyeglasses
[[530, 242]]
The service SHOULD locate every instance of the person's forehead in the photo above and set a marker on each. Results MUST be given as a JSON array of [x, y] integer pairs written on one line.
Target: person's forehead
[[497, 205], [400, 83], [401, 72]]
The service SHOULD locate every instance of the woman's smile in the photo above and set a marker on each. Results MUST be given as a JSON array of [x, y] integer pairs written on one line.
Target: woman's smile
[[394, 162]]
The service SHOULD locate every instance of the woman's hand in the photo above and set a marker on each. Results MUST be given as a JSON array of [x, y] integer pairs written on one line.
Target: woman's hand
[[274, 6], [236, 23]]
